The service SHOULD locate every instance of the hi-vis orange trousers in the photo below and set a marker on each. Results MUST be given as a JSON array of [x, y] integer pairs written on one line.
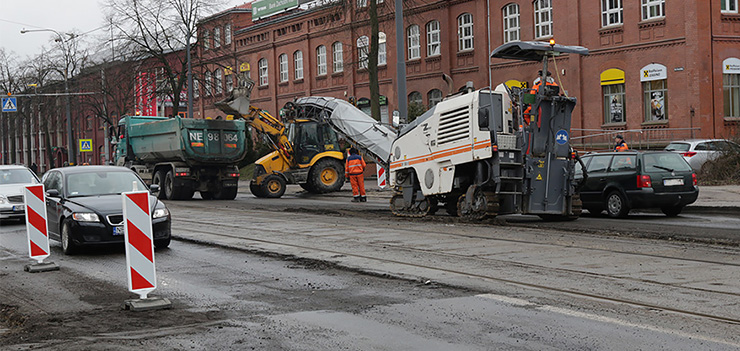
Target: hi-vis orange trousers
[[358, 184]]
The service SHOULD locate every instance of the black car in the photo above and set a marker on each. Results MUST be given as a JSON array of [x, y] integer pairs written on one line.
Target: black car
[[84, 206], [620, 181]]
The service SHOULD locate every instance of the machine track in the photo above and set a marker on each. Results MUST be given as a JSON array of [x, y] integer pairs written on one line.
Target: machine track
[[486, 204], [417, 210]]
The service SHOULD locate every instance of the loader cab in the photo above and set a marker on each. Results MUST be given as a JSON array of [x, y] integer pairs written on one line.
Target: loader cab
[[310, 139]]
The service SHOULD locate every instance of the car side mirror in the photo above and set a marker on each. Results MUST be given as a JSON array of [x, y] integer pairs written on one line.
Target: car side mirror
[[154, 189], [52, 193]]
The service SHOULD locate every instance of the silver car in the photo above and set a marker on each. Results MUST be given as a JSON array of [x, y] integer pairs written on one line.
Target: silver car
[[12, 181], [698, 151]]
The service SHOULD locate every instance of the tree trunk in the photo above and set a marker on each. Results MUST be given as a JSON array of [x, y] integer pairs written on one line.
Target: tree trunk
[[373, 61]]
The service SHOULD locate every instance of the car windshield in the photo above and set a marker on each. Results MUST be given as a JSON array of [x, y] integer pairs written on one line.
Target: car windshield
[[665, 162], [102, 183], [682, 147], [17, 176]]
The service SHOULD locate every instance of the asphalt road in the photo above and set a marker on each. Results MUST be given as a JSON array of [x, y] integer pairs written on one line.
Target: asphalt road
[[317, 272]]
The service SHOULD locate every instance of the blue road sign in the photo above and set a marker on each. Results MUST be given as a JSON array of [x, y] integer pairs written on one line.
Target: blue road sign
[[561, 137], [10, 105], [85, 145]]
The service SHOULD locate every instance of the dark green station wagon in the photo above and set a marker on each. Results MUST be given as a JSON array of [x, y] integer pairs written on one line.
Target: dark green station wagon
[[620, 181]]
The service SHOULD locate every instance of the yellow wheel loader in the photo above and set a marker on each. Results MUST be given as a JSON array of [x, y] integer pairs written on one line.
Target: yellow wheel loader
[[306, 152]]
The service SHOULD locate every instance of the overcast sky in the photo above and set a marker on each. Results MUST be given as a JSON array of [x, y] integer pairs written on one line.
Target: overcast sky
[[80, 16]]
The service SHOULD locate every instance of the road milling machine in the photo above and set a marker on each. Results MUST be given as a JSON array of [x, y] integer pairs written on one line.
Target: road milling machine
[[306, 152], [470, 156]]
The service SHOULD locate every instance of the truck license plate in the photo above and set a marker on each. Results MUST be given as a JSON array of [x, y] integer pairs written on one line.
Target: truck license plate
[[118, 230], [18, 208], [672, 182]]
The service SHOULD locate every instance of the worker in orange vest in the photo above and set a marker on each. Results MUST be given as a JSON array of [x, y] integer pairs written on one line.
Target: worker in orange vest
[[536, 87], [620, 144], [355, 169]]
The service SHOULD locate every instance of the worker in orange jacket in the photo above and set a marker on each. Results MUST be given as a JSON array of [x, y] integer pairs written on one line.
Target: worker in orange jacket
[[620, 144], [536, 87], [355, 169]]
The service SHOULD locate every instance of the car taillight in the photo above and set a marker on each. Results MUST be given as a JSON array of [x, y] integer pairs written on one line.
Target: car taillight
[[693, 176], [688, 154], [644, 181]]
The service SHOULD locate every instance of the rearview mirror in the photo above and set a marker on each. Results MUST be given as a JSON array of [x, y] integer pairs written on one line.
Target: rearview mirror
[[154, 189]]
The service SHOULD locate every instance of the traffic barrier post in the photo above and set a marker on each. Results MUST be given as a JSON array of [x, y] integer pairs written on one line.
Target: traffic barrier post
[[139, 242], [382, 182], [36, 229]]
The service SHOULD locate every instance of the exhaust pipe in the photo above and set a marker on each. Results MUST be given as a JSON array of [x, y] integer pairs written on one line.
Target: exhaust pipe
[[450, 84]]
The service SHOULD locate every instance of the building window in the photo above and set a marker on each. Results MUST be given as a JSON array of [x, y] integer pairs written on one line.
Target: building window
[[415, 98], [511, 22], [283, 61], [542, 18], [298, 59], [206, 40], [465, 32], [361, 3], [363, 48], [229, 83], [216, 37], [321, 60], [433, 39], [434, 96], [653, 9], [611, 12], [227, 34], [731, 93], [207, 83], [262, 68], [381, 49], [729, 6], [614, 103], [654, 100], [218, 81], [196, 89], [414, 48], [337, 56]]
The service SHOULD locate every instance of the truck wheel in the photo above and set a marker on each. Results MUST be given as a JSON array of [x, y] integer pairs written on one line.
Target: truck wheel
[[273, 186], [326, 176], [169, 186], [206, 195], [221, 193], [256, 190], [158, 179]]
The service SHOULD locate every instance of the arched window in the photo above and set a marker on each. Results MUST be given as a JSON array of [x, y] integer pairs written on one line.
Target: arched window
[[654, 78], [543, 18], [381, 49], [217, 37], [434, 96], [227, 34], [206, 39], [413, 42], [207, 83], [298, 59], [415, 98], [434, 46], [283, 61], [511, 22], [321, 60], [465, 32], [230, 82], [262, 68], [338, 56], [612, 87], [731, 87], [219, 80], [363, 48]]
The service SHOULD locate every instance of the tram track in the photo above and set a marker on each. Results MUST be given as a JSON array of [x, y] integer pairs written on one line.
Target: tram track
[[517, 282]]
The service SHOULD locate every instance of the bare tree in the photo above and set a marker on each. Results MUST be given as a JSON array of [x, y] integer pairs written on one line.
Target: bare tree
[[154, 30]]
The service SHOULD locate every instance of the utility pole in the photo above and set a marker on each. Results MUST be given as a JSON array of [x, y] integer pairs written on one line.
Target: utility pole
[[401, 64]]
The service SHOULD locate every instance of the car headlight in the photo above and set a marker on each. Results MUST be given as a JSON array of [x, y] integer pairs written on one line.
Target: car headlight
[[3, 199], [160, 212], [85, 217]]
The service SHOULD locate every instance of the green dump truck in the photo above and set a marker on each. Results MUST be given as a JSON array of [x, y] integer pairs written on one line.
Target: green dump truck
[[183, 155]]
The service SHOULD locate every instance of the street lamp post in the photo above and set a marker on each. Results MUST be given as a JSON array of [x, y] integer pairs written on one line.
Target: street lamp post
[[70, 141]]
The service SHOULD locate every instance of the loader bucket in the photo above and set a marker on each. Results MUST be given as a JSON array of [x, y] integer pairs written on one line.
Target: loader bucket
[[239, 100]]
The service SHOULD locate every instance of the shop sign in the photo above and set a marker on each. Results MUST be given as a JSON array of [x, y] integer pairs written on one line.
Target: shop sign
[[731, 66], [653, 71]]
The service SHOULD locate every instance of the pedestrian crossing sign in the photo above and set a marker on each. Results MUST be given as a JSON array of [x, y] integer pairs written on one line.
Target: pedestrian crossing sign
[[9, 104], [86, 145]]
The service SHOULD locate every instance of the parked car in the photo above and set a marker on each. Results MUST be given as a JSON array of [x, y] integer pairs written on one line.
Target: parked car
[[620, 181], [12, 181], [698, 151], [84, 206]]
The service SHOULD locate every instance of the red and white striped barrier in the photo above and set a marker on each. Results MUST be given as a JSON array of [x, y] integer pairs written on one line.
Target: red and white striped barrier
[[38, 236], [382, 182], [139, 241]]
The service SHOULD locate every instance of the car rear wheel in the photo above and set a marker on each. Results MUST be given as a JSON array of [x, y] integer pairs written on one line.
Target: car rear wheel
[[672, 211], [616, 205], [68, 246]]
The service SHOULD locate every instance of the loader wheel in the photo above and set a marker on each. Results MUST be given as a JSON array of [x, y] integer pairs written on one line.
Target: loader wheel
[[256, 189], [326, 176], [158, 179], [273, 186]]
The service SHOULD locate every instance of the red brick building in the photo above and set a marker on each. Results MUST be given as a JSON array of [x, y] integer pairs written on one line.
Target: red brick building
[[690, 50]]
